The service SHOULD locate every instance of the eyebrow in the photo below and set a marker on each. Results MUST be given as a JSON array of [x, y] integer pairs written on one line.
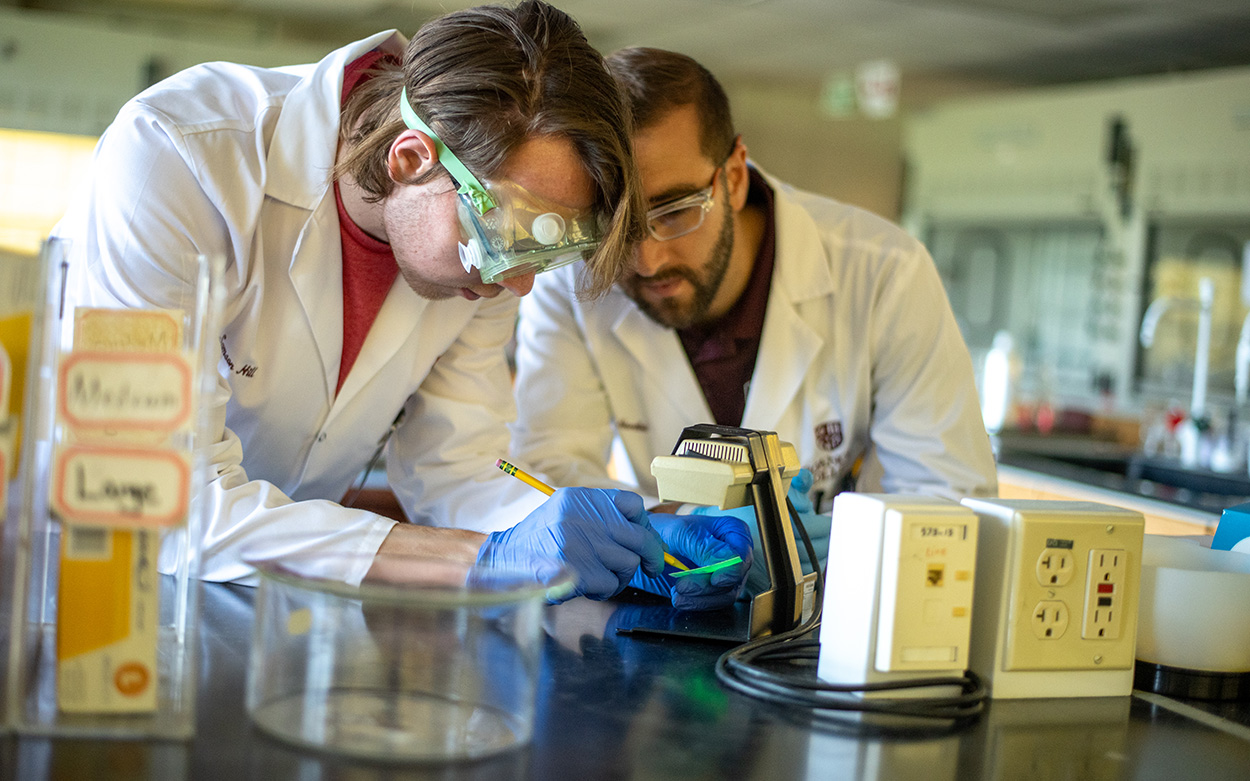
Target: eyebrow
[[674, 193]]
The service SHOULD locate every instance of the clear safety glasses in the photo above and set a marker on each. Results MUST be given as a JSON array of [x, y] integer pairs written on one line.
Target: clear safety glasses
[[684, 215], [507, 231]]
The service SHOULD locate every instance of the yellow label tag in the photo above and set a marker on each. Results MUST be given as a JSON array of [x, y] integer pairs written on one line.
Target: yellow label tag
[[107, 618], [6, 382], [130, 330], [15, 344]]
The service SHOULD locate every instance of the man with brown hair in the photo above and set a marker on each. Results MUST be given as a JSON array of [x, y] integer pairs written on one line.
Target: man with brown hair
[[750, 304], [371, 209]]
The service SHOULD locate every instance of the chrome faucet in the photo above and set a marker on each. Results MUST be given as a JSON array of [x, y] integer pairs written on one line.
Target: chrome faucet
[[1202, 358]]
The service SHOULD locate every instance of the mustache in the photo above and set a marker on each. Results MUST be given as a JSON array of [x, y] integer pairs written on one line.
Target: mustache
[[665, 276]]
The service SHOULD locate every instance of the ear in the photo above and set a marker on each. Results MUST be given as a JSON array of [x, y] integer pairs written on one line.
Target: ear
[[738, 174], [412, 155]]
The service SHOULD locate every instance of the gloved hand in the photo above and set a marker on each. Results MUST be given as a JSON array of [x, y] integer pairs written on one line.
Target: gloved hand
[[602, 536], [699, 542], [817, 528]]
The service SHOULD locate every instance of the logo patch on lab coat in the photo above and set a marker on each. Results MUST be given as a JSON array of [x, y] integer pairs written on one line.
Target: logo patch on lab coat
[[829, 434]]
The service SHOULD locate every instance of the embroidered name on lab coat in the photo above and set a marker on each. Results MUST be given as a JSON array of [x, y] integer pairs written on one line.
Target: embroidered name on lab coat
[[246, 370]]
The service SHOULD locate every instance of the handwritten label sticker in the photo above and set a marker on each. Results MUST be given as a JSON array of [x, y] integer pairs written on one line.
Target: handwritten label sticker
[[121, 487], [123, 390]]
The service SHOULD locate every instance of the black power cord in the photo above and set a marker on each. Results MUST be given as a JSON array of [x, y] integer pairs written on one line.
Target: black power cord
[[781, 669]]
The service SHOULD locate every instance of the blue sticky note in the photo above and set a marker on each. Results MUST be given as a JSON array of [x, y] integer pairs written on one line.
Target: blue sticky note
[[1234, 527]]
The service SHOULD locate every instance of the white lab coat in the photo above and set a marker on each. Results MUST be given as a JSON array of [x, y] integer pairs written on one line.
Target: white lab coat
[[230, 159], [860, 357]]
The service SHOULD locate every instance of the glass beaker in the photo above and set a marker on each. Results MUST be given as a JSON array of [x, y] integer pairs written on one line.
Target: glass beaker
[[434, 661]]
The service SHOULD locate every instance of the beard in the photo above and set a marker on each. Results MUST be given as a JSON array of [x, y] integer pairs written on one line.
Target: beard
[[682, 312]]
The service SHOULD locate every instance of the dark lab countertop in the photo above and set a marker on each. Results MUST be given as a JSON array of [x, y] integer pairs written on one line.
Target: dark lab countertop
[[621, 707], [1112, 467]]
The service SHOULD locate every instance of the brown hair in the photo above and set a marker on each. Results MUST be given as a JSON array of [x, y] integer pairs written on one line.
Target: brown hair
[[656, 81], [486, 80]]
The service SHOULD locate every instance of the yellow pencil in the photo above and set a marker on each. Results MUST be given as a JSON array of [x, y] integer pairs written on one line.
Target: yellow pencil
[[524, 477], [534, 482]]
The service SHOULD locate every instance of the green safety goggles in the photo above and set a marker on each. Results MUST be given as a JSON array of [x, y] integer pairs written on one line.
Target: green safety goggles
[[506, 230]]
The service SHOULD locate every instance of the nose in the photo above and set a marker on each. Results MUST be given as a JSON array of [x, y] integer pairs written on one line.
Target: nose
[[520, 284], [649, 257]]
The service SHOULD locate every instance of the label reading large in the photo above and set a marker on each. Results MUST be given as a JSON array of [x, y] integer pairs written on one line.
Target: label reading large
[[121, 487]]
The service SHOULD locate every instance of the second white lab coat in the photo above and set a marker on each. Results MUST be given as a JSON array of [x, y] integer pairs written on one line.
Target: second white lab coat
[[860, 357], [230, 159]]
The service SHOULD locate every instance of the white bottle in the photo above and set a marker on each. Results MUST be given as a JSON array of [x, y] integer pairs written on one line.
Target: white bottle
[[1188, 436], [996, 382]]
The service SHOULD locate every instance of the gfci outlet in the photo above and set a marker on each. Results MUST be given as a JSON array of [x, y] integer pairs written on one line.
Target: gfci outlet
[[1103, 594], [1056, 598]]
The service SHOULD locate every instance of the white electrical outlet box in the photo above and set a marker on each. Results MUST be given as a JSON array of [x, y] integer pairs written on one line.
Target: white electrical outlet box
[[898, 589], [1058, 585]]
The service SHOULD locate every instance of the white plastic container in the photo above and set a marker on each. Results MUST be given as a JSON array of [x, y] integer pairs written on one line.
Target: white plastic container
[[1194, 614]]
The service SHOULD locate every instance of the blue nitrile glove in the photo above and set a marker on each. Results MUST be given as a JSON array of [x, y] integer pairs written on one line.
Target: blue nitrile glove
[[602, 536], [699, 542], [817, 528]]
